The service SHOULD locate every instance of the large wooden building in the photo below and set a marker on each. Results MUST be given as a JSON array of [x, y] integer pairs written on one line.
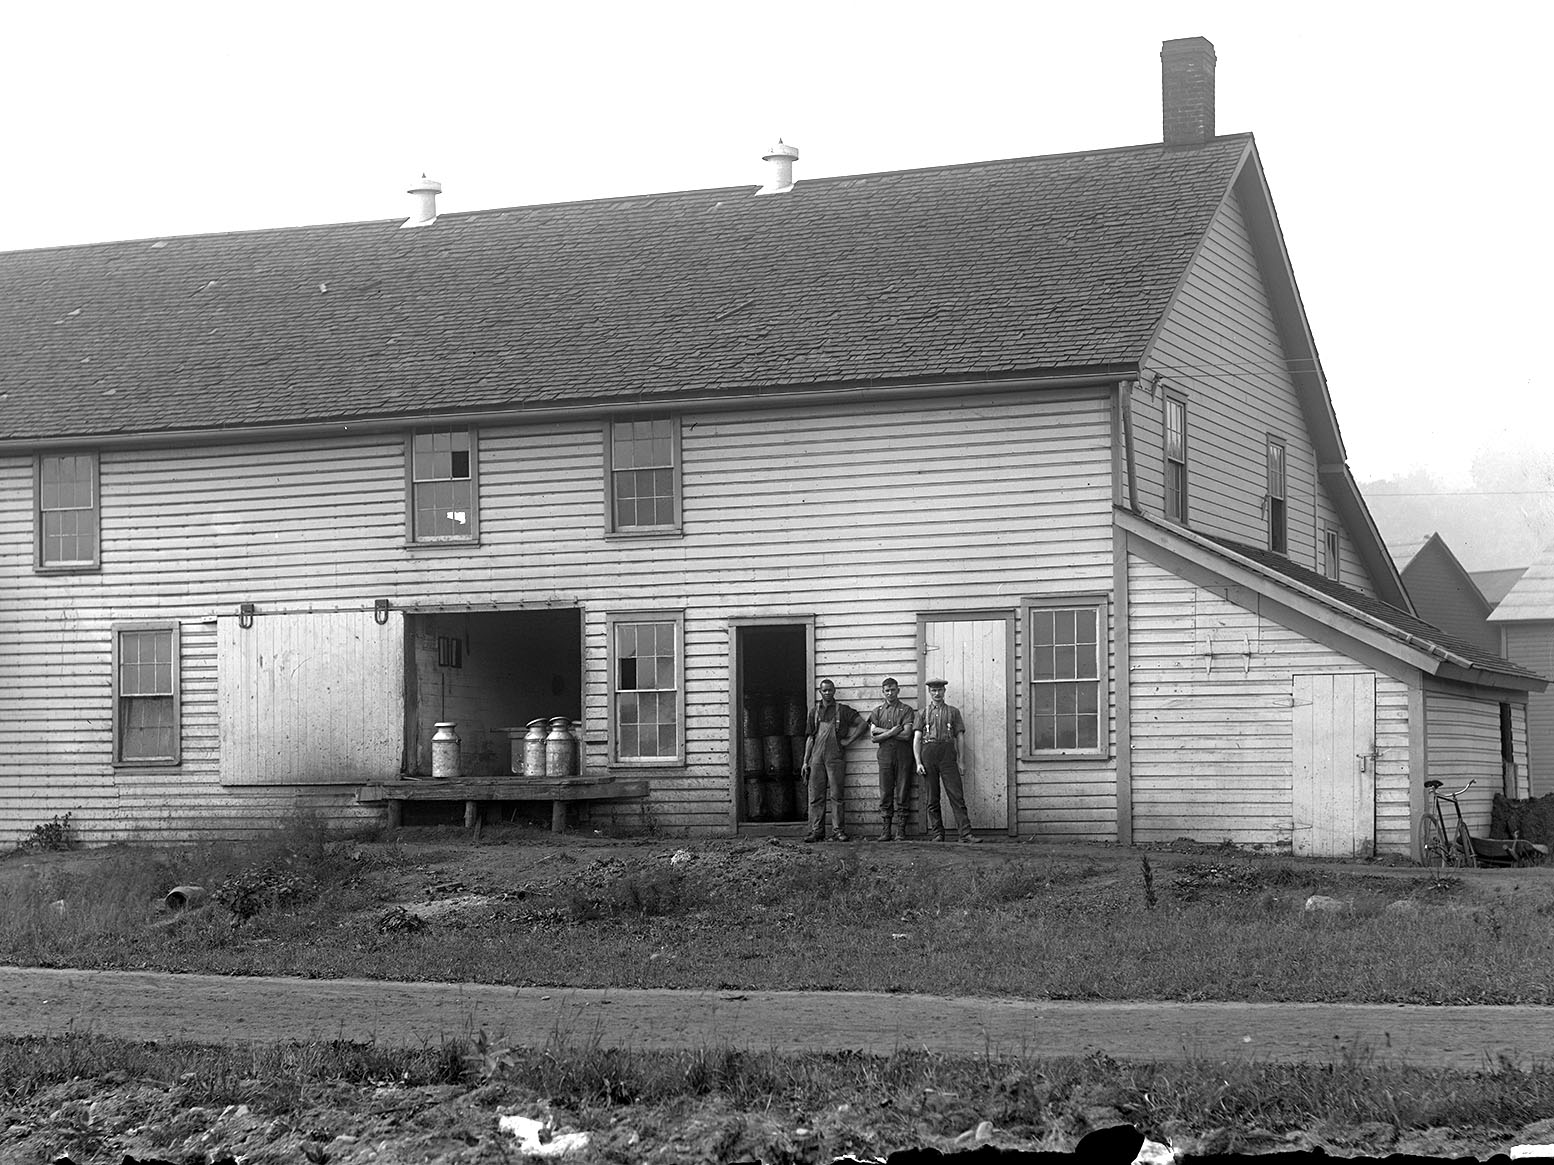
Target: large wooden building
[[278, 502]]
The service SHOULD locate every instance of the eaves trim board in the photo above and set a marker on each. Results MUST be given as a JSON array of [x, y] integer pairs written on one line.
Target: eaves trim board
[[1105, 379], [1430, 658]]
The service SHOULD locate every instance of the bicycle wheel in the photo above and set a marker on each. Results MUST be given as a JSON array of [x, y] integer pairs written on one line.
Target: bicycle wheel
[[1464, 847], [1430, 842]]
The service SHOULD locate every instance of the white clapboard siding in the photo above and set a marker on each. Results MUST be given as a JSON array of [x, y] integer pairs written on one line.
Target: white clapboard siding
[[1213, 737], [1220, 348], [311, 698], [858, 517], [1463, 745]]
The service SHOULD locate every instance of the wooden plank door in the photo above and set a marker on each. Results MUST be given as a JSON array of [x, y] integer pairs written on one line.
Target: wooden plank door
[[311, 698], [974, 655], [1334, 785]]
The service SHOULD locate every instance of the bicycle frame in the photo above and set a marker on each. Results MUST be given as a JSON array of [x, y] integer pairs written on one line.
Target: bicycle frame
[[1439, 848]]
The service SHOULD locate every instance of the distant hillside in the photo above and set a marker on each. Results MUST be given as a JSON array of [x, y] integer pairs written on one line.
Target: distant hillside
[[1503, 518]]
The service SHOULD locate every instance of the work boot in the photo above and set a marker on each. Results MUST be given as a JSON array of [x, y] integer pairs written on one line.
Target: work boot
[[890, 828]]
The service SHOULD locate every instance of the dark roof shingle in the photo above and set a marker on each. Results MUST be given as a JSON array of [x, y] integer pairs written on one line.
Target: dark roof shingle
[[1376, 608], [1036, 264]]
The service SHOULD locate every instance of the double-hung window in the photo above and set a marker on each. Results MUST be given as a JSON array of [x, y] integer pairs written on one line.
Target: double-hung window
[[1278, 502], [67, 514], [1176, 459], [1067, 705], [145, 694], [443, 485], [1331, 566], [647, 691], [643, 475]]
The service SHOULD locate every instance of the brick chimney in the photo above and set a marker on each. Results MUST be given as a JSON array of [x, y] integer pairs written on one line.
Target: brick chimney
[[1187, 91]]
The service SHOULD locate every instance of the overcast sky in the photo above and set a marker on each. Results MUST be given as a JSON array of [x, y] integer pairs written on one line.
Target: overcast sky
[[1406, 145]]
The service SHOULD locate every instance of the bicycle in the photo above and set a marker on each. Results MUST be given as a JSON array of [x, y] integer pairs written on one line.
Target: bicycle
[[1464, 849], [1430, 834]]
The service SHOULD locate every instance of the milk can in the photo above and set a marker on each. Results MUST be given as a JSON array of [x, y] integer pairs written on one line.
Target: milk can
[[560, 749], [534, 750], [445, 751]]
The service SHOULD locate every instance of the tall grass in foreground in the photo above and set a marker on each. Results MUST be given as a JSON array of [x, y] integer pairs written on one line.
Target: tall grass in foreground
[[787, 917], [1022, 1093]]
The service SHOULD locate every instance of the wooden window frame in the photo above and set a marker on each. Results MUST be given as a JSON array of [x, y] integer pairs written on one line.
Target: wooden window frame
[[1100, 604], [414, 537], [1332, 550], [612, 621], [1276, 500], [1179, 496], [118, 631], [40, 558], [614, 528]]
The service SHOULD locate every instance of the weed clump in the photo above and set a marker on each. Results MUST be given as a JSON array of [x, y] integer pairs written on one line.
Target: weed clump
[[53, 836], [641, 893], [275, 886]]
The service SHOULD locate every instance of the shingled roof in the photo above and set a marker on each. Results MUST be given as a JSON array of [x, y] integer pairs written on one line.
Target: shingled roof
[[1404, 623], [1038, 265]]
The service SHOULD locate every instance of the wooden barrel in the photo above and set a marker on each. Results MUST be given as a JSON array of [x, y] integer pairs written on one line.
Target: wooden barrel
[[752, 757], [778, 752], [796, 744], [755, 799], [779, 799], [794, 717], [770, 722]]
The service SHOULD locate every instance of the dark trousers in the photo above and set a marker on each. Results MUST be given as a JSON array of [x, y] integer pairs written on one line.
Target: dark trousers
[[941, 767], [896, 769]]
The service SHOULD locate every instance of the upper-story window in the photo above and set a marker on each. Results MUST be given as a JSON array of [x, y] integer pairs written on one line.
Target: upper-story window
[[1330, 562], [1278, 502], [67, 517], [145, 694], [443, 485], [1175, 459], [644, 474]]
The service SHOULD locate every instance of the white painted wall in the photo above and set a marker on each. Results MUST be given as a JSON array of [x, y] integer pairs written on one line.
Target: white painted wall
[[863, 517]]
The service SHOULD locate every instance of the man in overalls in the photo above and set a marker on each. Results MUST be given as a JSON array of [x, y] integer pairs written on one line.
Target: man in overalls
[[937, 741], [831, 728]]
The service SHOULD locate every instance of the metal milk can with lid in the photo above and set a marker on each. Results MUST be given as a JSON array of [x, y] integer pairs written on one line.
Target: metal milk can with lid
[[445, 751], [534, 750], [560, 749]]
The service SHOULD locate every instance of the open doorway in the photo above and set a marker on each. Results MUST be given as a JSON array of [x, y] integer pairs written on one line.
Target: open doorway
[[772, 670], [488, 672]]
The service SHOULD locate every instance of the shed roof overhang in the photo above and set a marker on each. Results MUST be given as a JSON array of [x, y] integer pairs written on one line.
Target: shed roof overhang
[[1322, 611]]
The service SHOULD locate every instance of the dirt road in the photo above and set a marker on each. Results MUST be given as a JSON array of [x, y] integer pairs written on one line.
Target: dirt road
[[221, 1010]]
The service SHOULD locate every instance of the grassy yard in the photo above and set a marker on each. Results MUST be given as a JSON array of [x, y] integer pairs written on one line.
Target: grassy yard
[[1013, 920], [525, 908]]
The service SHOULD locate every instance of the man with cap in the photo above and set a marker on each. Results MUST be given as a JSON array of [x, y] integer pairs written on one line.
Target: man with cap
[[831, 728], [936, 743], [890, 727]]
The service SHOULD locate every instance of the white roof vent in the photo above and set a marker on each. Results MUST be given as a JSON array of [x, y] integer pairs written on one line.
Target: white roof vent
[[781, 158], [426, 191]]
